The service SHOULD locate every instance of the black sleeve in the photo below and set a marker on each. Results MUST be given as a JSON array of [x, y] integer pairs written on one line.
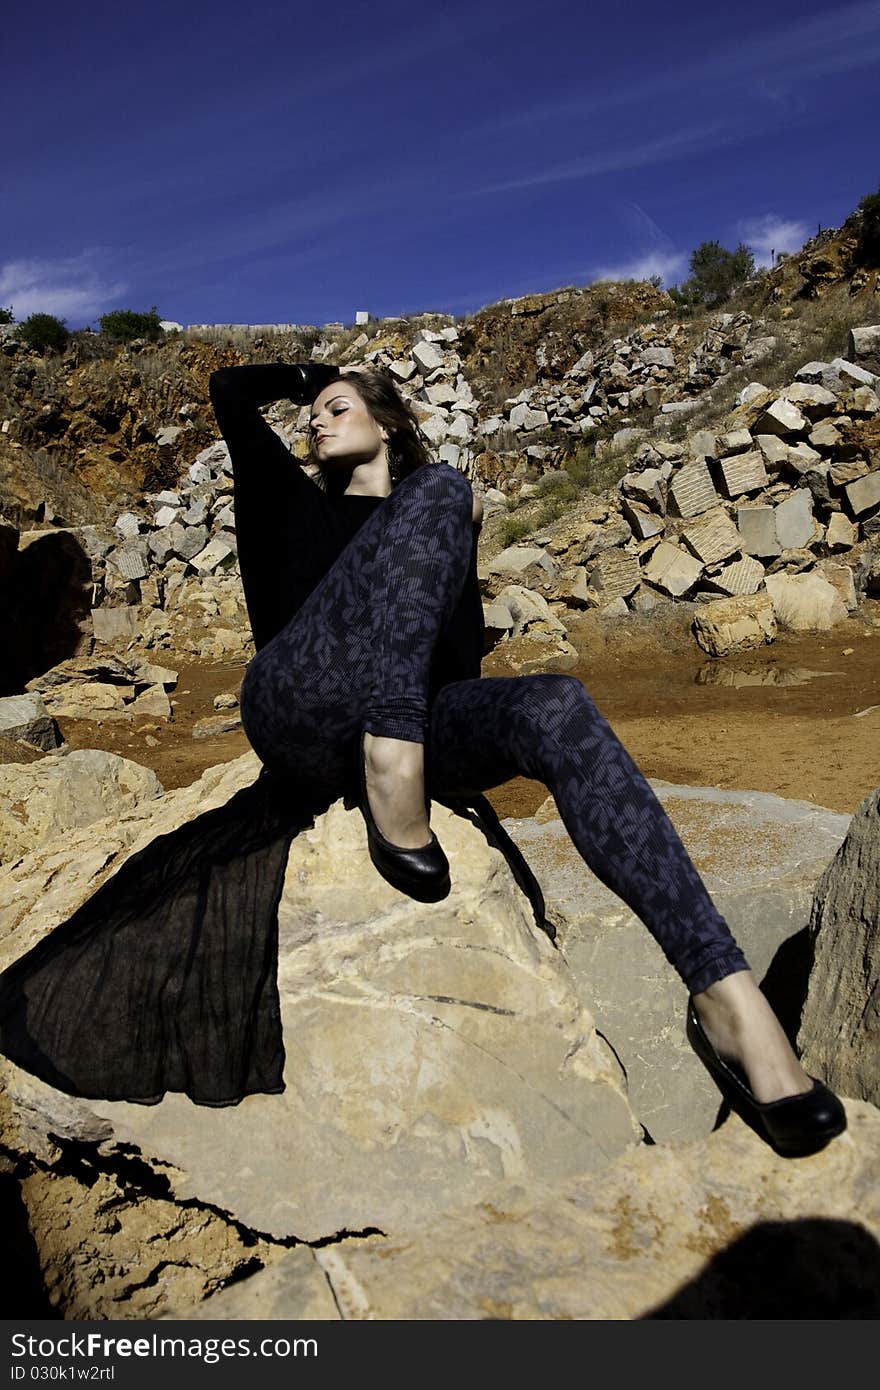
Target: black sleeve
[[282, 518]]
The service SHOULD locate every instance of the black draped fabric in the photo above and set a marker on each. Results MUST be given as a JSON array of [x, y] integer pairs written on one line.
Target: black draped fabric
[[165, 979]]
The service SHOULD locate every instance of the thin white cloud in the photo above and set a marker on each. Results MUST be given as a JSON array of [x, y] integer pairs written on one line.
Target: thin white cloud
[[673, 146], [769, 233], [669, 265], [75, 288]]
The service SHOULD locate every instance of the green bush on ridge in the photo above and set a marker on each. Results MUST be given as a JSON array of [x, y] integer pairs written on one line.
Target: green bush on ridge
[[42, 331], [124, 325]]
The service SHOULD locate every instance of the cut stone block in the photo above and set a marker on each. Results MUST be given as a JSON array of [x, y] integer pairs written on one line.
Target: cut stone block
[[26, 717], [523, 417], [643, 522], [781, 417], [165, 516], [814, 400], [129, 561], [841, 533], [741, 473], [516, 559], [691, 489], [863, 347], [805, 602], [215, 553], [864, 493], [128, 524], [774, 450], [757, 527], [115, 624], [615, 574], [427, 357], [672, 569], [713, 537], [794, 520], [734, 442], [735, 624], [742, 577]]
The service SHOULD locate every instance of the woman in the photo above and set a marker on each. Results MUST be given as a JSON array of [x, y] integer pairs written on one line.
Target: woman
[[362, 592]]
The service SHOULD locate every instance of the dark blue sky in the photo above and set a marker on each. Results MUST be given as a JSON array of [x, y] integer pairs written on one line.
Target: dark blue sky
[[265, 162]]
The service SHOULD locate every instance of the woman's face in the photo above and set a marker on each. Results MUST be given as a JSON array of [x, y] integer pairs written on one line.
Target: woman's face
[[342, 429]]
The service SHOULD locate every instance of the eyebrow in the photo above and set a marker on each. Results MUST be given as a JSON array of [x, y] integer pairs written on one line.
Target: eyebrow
[[330, 402]]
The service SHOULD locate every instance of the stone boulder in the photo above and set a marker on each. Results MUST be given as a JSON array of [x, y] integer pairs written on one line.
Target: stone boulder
[[840, 1029], [805, 602], [717, 1229], [66, 791], [735, 624], [431, 1050], [26, 717], [760, 857]]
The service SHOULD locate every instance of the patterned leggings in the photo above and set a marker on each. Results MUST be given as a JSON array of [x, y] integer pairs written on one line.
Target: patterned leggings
[[357, 656]]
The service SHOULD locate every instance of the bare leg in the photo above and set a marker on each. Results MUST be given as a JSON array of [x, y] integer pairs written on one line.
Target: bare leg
[[395, 773], [743, 1028]]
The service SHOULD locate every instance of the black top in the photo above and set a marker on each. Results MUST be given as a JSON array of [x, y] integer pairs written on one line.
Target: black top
[[290, 531]]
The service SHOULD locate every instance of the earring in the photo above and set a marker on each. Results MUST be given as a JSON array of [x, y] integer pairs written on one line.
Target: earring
[[395, 463]]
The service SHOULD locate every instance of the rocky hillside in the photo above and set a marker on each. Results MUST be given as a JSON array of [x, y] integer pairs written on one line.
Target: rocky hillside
[[656, 456]]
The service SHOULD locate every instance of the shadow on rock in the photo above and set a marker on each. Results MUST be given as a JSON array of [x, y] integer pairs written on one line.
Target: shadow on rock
[[814, 1268]]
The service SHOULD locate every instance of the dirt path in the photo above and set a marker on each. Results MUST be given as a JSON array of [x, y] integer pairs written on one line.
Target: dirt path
[[787, 719]]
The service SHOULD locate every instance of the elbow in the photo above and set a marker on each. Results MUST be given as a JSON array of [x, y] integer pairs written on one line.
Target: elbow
[[219, 384]]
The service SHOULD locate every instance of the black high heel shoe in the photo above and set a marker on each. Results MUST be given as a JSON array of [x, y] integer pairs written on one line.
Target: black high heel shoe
[[794, 1126], [422, 873]]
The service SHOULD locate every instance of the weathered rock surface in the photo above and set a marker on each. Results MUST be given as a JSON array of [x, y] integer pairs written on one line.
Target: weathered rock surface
[[66, 791], [474, 1057], [760, 857], [718, 1229], [735, 624], [840, 1029], [805, 602]]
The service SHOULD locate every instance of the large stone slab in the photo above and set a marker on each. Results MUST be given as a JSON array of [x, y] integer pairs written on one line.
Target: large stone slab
[[671, 569], [760, 857], [717, 1229], [691, 490], [431, 1049], [840, 1029], [712, 537]]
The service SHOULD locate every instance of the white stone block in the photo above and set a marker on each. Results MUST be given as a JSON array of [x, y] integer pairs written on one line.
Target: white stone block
[[672, 569], [864, 493], [781, 417], [794, 520], [757, 527]]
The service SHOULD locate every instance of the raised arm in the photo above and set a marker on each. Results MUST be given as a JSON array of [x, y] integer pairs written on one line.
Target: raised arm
[[279, 511]]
